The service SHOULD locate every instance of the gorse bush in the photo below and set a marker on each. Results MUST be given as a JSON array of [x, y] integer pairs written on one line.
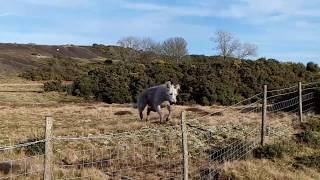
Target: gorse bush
[[34, 149], [53, 86], [57, 85], [56, 69], [204, 80], [269, 151], [309, 137], [311, 133], [309, 161], [313, 124]]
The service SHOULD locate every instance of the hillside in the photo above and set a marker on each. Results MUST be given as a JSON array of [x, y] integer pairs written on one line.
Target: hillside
[[95, 140], [98, 71], [16, 58]]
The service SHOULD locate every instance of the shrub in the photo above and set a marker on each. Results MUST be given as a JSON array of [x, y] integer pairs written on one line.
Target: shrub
[[313, 124], [34, 149], [309, 161], [83, 87], [269, 151], [309, 137], [203, 80], [56, 69], [313, 67], [53, 86]]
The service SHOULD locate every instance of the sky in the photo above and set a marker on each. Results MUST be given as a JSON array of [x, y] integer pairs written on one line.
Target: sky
[[287, 30]]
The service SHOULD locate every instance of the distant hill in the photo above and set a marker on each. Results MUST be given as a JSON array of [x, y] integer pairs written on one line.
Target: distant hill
[[16, 58]]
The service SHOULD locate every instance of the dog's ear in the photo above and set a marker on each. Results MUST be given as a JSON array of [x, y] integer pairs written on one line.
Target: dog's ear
[[178, 86], [168, 84]]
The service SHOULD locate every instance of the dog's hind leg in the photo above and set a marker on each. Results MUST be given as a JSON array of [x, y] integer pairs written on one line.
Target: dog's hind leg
[[141, 109], [148, 113]]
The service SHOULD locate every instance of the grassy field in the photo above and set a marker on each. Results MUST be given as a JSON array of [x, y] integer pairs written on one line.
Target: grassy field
[[135, 148]]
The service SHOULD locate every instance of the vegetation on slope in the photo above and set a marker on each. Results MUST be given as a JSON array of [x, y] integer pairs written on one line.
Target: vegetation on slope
[[117, 75], [204, 80]]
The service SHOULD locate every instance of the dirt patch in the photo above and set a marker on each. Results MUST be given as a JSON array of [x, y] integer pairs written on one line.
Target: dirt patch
[[122, 113]]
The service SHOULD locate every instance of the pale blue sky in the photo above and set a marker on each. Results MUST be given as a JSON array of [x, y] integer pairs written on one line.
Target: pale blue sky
[[282, 29]]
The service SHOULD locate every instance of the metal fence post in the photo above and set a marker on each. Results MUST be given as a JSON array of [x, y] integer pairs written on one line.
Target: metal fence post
[[48, 149], [184, 145], [300, 103], [264, 113]]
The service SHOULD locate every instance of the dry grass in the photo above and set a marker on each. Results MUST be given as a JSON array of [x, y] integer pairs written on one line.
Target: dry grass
[[266, 169], [22, 117]]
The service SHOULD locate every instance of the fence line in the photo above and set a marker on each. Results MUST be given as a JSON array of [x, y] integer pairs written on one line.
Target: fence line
[[127, 153], [230, 107], [6, 148], [312, 83], [283, 89]]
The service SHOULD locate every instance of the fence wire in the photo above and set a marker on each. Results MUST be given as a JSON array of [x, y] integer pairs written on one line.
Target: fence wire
[[156, 153]]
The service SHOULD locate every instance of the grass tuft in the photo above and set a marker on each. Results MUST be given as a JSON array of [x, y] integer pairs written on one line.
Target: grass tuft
[[269, 151]]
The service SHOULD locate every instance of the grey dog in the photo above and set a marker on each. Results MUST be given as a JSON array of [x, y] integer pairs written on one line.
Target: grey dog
[[155, 97]]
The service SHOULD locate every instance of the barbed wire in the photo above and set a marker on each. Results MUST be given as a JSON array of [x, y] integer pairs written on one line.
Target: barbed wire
[[312, 88], [312, 83], [6, 148], [308, 96], [283, 94], [283, 89], [232, 106], [312, 108]]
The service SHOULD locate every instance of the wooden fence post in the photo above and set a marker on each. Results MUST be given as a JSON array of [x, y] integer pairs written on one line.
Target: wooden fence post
[[184, 145], [264, 113], [48, 149], [300, 103]]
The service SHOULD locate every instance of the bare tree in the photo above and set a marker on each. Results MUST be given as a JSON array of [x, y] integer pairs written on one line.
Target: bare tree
[[175, 47], [129, 42], [143, 44], [156, 48], [147, 44], [229, 46], [246, 50]]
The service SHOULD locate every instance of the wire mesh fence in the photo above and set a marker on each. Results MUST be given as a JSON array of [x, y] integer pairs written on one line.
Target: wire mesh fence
[[214, 138], [26, 168], [131, 155]]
